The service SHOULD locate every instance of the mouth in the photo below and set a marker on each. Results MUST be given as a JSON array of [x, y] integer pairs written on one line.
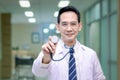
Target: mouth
[[69, 35]]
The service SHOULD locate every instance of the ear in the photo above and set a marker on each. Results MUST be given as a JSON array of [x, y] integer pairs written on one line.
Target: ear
[[80, 26], [57, 27]]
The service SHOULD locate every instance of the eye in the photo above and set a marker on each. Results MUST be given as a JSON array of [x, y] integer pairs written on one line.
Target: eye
[[64, 24], [73, 24]]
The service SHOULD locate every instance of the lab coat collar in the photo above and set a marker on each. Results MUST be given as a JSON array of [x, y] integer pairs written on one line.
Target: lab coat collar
[[60, 47]]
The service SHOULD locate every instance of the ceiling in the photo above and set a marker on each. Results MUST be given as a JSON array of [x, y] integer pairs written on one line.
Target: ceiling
[[43, 9]]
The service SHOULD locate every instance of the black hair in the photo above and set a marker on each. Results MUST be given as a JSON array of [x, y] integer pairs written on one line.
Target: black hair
[[66, 9]]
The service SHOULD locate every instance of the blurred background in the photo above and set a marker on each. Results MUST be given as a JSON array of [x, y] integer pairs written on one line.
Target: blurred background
[[26, 24]]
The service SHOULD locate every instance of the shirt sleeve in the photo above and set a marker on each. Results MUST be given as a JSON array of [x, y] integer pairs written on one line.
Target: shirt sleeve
[[38, 68], [97, 72]]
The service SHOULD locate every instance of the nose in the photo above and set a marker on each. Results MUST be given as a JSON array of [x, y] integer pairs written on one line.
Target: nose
[[69, 28]]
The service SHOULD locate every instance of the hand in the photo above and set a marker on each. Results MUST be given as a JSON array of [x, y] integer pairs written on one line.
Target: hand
[[48, 48]]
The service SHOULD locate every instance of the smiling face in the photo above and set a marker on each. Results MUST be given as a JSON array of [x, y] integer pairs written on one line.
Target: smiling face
[[69, 27]]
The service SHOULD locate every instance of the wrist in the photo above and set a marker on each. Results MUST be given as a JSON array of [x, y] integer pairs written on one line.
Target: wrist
[[45, 60]]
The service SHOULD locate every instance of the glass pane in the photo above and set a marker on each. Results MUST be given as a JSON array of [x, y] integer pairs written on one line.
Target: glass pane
[[114, 72], [113, 49], [104, 7], [97, 11], [113, 37], [94, 36], [105, 47], [87, 16], [86, 32], [113, 6], [92, 17]]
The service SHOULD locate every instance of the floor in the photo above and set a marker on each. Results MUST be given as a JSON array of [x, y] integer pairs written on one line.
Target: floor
[[24, 73]]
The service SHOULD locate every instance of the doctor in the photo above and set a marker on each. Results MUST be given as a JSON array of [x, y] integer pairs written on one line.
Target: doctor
[[84, 63]]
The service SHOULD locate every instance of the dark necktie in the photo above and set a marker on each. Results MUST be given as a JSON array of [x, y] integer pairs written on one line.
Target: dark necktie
[[72, 66]]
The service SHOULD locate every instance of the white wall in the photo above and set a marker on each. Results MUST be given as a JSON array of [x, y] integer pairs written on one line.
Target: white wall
[[21, 37]]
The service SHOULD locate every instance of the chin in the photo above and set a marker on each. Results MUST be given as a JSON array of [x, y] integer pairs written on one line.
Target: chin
[[70, 39]]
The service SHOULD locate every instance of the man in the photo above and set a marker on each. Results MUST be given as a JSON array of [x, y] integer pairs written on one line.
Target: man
[[84, 63]]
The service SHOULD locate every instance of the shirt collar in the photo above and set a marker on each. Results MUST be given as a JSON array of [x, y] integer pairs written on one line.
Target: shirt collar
[[60, 47]]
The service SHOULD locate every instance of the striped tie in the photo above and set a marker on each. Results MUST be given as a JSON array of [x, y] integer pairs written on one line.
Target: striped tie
[[72, 66]]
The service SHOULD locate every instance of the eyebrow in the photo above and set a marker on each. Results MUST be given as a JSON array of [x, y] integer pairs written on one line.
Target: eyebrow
[[70, 22]]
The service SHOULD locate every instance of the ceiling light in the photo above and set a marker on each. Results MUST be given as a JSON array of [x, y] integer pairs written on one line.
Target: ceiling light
[[32, 20], [52, 26], [24, 3], [29, 14], [63, 3], [55, 13], [45, 30]]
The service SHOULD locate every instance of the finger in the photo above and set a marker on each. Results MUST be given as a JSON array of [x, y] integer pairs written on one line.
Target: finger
[[45, 49], [51, 48], [52, 45], [48, 47]]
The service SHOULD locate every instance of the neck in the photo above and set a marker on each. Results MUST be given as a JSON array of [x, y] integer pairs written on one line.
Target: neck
[[69, 43], [67, 47]]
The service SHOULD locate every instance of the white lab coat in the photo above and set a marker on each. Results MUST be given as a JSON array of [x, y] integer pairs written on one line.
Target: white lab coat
[[87, 64]]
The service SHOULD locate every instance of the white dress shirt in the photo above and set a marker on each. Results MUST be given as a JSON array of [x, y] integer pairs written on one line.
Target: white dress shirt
[[87, 64]]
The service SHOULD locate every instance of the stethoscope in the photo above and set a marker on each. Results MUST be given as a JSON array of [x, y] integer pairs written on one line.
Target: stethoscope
[[71, 50], [55, 39]]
